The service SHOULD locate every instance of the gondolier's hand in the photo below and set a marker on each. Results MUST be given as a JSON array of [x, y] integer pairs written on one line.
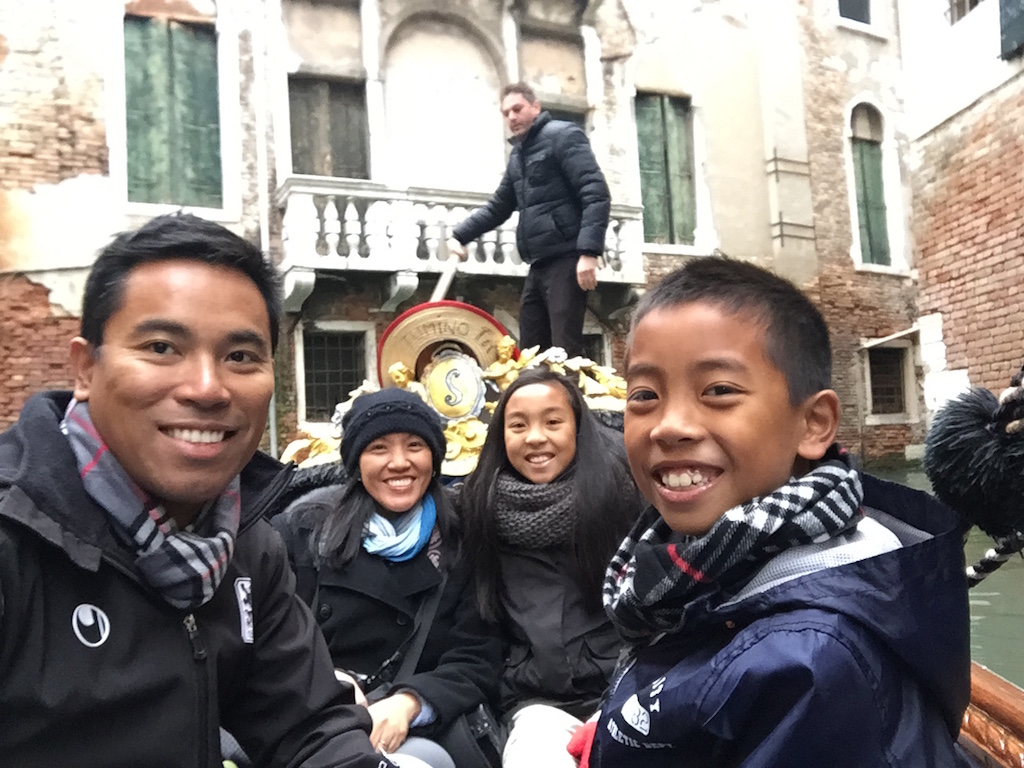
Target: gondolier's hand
[[457, 248], [586, 272]]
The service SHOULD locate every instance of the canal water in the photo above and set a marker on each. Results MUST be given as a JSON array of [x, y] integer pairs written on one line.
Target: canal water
[[997, 603]]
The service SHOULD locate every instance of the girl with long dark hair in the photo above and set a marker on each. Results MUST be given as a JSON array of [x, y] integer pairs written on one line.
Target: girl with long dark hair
[[547, 506], [371, 554]]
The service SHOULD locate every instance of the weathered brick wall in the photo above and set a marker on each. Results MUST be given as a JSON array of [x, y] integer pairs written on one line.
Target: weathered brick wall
[[855, 304], [50, 131], [969, 233], [33, 345]]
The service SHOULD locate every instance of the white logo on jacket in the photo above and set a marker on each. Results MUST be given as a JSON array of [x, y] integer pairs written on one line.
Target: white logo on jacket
[[243, 593], [91, 625], [636, 716]]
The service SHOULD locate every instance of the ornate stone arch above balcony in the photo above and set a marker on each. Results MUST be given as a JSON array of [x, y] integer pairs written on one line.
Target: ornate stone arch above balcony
[[417, 11], [610, 20], [441, 73]]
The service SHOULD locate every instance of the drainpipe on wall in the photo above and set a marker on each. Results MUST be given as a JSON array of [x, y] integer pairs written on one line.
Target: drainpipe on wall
[[259, 97]]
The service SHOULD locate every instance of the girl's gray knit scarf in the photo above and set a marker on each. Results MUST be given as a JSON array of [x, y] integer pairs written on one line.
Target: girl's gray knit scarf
[[657, 576], [184, 566], [531, 516]]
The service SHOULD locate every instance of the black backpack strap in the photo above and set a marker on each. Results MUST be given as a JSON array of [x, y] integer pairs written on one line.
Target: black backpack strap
[[424, 621]]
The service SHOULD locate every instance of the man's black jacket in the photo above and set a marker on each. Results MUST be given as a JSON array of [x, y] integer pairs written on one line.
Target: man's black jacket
[[97, 670], [553, 180]]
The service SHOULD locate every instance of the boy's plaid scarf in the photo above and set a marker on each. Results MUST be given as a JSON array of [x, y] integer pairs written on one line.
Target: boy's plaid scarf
[[656, 575], [183, 566]]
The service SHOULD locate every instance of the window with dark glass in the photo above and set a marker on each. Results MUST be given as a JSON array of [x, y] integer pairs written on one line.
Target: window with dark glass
[[334, 365], [329, 127], [569, 115], [172, 110], [593, 348], [960, 8], [1011, 28], [664, 127], [887, 390], [866, 148], [856, 10]]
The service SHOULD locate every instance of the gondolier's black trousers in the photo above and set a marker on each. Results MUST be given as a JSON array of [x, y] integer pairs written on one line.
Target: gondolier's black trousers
[[552, 307]]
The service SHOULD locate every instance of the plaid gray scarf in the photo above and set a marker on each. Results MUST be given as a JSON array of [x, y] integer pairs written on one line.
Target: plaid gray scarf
[[184, 566], [656, 577]]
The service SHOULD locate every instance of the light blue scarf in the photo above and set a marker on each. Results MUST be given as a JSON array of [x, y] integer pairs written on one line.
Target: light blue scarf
[[400, 539]]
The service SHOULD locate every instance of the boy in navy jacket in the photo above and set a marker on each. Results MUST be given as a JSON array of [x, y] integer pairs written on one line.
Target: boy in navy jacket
[[778, 608]]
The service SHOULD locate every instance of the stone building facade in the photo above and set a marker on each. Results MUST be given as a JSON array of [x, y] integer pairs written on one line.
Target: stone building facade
[[354, 133], [965, 84]]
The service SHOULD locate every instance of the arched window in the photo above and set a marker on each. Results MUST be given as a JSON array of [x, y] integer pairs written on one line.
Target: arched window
[[866, 149]]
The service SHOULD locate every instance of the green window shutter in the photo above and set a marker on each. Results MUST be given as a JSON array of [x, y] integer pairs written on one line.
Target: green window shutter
[[173, 113], [310, 125], [196, 124], [349, 130], [682, 188], [329, 127], [871, 213], [148, 109], [654, 191]]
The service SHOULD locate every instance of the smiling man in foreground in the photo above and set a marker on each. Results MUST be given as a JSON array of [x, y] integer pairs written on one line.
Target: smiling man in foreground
[[144, 603]]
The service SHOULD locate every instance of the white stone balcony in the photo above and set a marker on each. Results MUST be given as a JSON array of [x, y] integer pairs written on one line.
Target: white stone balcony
[[350, 224]]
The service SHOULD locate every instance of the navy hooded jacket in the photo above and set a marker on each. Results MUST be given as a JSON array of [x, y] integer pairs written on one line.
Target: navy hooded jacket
[[865, 664]]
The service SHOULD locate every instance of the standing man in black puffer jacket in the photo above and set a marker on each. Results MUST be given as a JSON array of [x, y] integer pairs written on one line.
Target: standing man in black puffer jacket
[[553, 180]]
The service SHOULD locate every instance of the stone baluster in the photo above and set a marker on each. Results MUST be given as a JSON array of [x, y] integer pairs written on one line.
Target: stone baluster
[[631, 246], [404, 234], [319, 203], [433, 232], [490, 244], [332, 224], [378, 214], [353, 229], [456, 214], [301, 226], [508, 235], [612, 246]]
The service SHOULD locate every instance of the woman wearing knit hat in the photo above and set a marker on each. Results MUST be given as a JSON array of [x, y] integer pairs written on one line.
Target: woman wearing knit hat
[[377, 555], [547, 506]]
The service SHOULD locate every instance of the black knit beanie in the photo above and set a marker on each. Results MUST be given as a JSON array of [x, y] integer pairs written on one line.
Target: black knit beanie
[[382, 413]]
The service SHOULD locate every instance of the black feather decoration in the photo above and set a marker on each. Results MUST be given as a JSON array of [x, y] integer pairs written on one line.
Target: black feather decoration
[[975, 464]]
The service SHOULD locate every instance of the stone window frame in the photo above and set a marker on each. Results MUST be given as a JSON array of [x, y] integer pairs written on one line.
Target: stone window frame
[[592, 329], [369, 331], [957, 10], [877, 25], [911, 412], [892, 186], [227, 25]]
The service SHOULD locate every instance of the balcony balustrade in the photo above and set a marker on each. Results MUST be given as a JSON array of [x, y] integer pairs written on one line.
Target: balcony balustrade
[[350, 224]]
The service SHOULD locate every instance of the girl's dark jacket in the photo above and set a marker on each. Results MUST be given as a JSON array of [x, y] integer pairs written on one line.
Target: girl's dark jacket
[[97, 670], [555, 183], [559, 652], [865, 664], [367, 611]]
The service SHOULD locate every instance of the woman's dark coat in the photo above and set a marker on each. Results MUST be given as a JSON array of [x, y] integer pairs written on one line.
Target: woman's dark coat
[[368, 610]]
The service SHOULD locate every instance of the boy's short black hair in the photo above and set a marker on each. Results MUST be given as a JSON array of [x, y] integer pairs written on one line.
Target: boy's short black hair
[[174, 236], [796, 335]]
